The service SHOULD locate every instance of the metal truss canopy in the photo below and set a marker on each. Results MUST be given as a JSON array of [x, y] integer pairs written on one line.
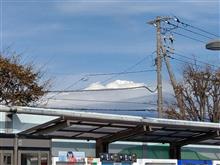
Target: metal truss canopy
[[107, 130]]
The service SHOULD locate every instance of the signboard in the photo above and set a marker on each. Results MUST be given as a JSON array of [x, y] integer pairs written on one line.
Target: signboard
[[216, 162], [118, 157], [93, 161], [194, 162], [71, 156], [156, 162]]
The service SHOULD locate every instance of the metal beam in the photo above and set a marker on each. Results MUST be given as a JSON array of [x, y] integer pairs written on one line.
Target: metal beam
[[90, 131], [125, 119], [182, 124], [83, 131], [33, 129], [183, 130], [107, 124], [122, 135], [199, 138], [53, 128]]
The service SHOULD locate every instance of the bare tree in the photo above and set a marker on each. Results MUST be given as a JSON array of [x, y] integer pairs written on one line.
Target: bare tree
[[200, 95], [20, 84]]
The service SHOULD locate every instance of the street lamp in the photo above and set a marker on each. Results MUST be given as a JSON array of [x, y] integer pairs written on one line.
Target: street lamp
[[213, 45]]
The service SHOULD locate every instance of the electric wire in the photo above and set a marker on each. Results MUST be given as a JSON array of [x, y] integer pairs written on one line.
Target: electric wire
[[183, 61], [186, 36], [196, 60], [195, 27], [129, 68], [204, 30], [184, 25], [57, 92], [183, 35], [105, 89], [117, 74], [189, 58], [169, 23], [197, 33], [85, 77]]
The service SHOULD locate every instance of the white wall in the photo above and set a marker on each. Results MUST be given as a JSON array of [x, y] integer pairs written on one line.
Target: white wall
[[2, 122], [23, 122]]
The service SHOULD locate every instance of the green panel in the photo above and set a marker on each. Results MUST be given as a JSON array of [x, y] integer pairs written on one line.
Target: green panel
[[202, 157], [137, 150], [162, 152], [159, 152], [188, 154], [151, 152]]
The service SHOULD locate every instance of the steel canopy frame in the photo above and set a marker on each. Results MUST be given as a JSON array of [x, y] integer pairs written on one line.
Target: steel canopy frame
[[106, 128], [108, 131], [115, 130], [107, 117]]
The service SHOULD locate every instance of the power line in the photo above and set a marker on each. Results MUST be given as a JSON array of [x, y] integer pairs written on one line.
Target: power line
[[203, 62], [129, 68], [119, 73], [169, 23], [183, 61], [116, 74], [75, 83], [112, 73], [189, 58], [98, 74], [85, 77], [184, 25], [198, 28], [99, 90], [203, 30], [186, 36], [190, 63], [187, 25]]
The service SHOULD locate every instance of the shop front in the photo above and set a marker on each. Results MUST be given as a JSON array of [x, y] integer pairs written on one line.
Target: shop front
[[23, 151], [6, 157]]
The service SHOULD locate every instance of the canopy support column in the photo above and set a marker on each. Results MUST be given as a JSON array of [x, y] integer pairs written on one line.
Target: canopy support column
[[101, 147], [175, 151]]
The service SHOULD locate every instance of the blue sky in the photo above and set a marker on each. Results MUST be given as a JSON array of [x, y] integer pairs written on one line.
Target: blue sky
[[69, 39]]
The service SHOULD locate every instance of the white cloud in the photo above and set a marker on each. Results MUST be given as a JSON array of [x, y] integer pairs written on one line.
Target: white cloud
[[94, 86], [127, 99], [114, 85], [118, 84], [167, 87]]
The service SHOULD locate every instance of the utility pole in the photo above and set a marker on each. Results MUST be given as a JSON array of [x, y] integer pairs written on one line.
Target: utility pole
[[162, 54], [174, 84], [157, 24]]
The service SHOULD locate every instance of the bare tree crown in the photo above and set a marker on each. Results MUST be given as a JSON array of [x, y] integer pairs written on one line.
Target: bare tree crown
[[200, 95]]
